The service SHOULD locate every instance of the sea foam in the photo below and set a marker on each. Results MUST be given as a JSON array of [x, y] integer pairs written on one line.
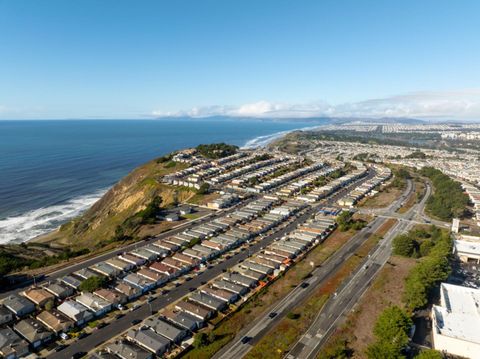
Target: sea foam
[[21, 228]]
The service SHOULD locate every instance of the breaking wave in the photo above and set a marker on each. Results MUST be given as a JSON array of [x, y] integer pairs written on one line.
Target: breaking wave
[[262, 141], [21, 228]]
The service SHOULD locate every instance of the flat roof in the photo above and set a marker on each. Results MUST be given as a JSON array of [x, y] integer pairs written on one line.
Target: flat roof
[[459, 313]]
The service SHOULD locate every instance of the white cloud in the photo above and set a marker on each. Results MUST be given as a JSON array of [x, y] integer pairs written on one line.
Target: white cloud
[[435, 105]]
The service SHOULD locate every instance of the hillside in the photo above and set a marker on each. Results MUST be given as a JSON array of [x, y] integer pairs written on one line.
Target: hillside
[[133, 193]]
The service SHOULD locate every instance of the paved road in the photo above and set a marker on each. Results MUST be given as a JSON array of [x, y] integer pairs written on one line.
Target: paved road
[[255, 331], [352, 289], [102, 257], [121, 325]]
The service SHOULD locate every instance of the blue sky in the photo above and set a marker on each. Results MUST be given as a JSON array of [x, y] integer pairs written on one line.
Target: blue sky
[[131, 59]]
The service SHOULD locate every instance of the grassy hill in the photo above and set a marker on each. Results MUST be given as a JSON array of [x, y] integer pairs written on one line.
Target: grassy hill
[[132, 194]]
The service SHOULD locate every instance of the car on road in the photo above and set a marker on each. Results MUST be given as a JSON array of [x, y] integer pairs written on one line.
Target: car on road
[[136, 321], [203, 282], [101, 325], [60, 347], [118, 316], [272, 315], [83, 335], [304, 285], [150, 299], [246, 339], [78, 355], [191, 289]]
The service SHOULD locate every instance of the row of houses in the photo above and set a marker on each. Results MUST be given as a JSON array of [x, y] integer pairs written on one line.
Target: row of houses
[[321, 192], [305, 182], [474, 195], [287, 177], [356, 194]]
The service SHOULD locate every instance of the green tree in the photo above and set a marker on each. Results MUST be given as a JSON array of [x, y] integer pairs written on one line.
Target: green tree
[[92, 284], [383, 350], [392, 326], [404, 245], [200, 340], [204, 188]]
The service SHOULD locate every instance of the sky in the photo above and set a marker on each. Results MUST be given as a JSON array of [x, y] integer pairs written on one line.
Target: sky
[[270, 58]]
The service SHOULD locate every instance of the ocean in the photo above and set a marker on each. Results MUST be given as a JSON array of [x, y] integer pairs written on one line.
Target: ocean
[[53, 170]]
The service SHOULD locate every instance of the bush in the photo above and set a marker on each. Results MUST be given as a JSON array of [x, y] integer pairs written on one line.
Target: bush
[[293, 316], [429, 354]]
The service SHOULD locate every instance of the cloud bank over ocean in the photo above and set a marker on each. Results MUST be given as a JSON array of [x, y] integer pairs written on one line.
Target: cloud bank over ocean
[[462, 105]]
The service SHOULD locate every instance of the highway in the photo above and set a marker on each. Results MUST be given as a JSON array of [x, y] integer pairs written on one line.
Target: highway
[[123, 324], [237, 348], [352, 289]]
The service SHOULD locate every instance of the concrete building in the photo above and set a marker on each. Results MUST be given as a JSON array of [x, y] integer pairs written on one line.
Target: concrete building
[[39, 296], [166, 329], [6, 316], [95, 304], [59, 290], [456, 321]]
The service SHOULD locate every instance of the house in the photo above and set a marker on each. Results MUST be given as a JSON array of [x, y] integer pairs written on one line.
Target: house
[[221, 294], [156, 277], [75, 311], [125, 350], [231, 287], [119, 264], [6, 316], [133, 259], [165, 329], [60, 291], [240, 279], [172, 217], [186, 210], [84, 273], [95, 304], [33, 332], [39, 296], [20, 306], [111, 296], [105, 269], [197, 311], [456, 320], [145, 254], [208, 301], [55, 321], [149, 340], [12, 346], [182, 319], [71, 281], [140, 282], [163, 269], [129, 290]]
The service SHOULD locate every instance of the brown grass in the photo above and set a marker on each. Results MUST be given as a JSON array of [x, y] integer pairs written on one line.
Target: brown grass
[[386, 290]]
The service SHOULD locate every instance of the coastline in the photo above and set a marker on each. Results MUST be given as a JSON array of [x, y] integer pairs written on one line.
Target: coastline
[[33, 225]]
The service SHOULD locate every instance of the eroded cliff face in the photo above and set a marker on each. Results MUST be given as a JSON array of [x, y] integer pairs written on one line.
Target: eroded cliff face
[[130, 195]]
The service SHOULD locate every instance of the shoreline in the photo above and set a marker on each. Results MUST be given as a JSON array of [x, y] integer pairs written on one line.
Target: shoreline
[[45, 220]]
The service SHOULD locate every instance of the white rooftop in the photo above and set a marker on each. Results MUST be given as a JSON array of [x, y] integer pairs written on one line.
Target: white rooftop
[[467, 247], [459, 313]]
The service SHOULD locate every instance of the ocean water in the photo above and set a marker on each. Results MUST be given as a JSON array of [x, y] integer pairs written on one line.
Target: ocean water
[[52, 171]]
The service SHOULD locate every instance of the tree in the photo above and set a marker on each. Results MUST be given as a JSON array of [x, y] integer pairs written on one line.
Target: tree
[[92, 284], [383, 350], [392, 326], [429, 354], [404, 245], [204, 188], [200, 340]]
